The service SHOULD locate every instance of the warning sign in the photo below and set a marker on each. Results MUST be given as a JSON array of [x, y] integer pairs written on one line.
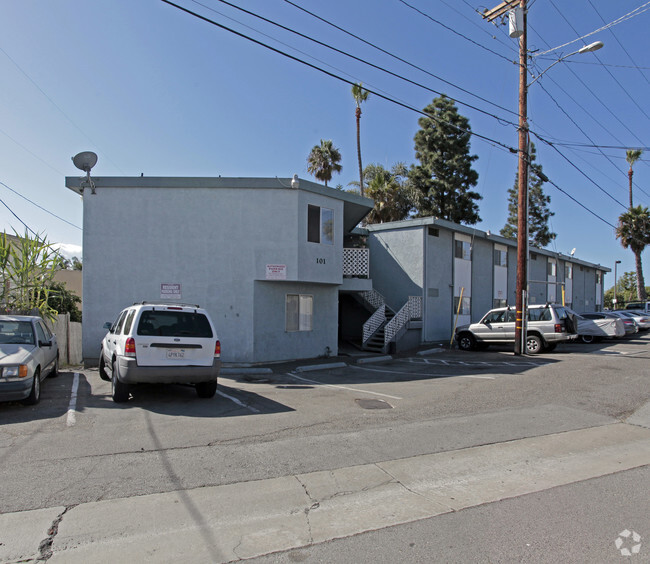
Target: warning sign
[[170, 292], [276, 271]]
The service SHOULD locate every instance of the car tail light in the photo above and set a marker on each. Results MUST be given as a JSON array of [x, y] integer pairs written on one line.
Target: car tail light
[[558, 328], [217, 349], [129, 347]]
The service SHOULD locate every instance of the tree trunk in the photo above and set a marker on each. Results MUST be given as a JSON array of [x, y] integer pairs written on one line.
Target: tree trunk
[[629, 174], [640, 282], [358, 114]]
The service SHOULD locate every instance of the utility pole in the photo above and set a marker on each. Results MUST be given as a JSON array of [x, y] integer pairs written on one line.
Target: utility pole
[[521, 297]]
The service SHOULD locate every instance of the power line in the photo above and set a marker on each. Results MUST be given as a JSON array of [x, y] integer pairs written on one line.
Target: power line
[[448, 29], [377, 67], [40, 207], [337, 77], [606, 69]]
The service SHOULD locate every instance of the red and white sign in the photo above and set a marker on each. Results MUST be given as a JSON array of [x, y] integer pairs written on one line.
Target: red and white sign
[[276, 271], [170, 292]]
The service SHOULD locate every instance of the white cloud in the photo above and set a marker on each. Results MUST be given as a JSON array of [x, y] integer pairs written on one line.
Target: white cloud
[[68, 250]]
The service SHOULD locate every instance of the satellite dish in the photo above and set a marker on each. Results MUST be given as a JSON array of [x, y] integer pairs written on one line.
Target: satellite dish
[[573, 251], [85, 160]]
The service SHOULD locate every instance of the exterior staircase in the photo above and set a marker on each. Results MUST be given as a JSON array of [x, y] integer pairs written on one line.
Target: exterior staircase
[[385, 325]]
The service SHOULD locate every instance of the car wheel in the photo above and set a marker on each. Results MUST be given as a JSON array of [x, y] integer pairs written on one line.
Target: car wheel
[[206, 389], [35, 395], [55, 369], [466, 342], [120, 389], [102, 368], [587, 338], [533, 344]]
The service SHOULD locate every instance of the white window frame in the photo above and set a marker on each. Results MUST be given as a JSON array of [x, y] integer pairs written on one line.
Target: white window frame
[[299, 312]]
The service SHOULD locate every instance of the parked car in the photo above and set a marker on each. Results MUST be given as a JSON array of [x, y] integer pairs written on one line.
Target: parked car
[[643, 307], [594, 326], [628, 323], [642, 321], [28, 354], [548, 325], [161, 343]]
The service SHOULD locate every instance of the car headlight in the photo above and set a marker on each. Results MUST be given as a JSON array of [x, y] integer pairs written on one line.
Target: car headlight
[[18, 371]]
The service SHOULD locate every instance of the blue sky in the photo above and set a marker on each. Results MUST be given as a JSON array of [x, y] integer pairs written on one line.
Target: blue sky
[[156, 91]]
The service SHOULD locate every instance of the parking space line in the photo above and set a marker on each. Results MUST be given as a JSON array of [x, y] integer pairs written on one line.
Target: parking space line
[[479, 377], [72, 406], [239, 403], [357, 390]]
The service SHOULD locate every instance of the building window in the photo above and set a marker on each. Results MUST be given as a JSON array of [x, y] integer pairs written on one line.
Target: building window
[[465, 305], [434, 232], [552, 268], [462, 250], [533, 256], [320, 225], [500, 258], [498, 302], [569, 271], [299, 312], [599, 277]]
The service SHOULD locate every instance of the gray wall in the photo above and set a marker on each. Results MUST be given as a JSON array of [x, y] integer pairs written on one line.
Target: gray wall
[[396, 265], [273, 342], [439, 293], [215, 242], [482, 277]]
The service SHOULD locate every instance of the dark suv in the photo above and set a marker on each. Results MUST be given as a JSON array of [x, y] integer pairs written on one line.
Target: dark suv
[[548, 325]]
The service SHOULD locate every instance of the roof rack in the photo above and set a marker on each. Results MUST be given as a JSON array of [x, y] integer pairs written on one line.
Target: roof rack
[[181, 304]]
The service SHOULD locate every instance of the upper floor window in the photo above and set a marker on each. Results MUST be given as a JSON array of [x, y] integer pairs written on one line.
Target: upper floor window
[[552, 268], [462, 250], [599, 277], [320, 225], [569, 271], [500, 257]]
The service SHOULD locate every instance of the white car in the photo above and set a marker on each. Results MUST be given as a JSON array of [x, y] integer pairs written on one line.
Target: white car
[[161, 343], [28, 354]]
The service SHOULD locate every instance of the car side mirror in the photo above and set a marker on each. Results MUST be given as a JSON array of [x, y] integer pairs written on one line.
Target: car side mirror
[[44, 343], [107, 325]]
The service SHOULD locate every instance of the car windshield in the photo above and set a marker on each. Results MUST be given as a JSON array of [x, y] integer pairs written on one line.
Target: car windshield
[[16, 332], [174, 324]]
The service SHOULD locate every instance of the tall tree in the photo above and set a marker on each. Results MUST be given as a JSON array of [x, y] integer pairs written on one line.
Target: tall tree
[[443, 180], [631, 156], [539, 213], [323, 161], [633, 230], [391, 192], [360, 95]]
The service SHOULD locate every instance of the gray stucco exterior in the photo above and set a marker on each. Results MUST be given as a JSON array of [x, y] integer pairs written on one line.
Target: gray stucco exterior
[[235, 246], [417, 258]]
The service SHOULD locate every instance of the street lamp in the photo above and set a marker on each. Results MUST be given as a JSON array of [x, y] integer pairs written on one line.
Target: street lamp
[[586, 49], [615, 281], [521, 297]]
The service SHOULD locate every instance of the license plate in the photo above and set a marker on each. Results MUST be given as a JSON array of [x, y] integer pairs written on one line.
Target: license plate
[[175, 354]]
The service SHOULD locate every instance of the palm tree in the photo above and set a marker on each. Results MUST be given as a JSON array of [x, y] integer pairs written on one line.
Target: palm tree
[[323, 161], [634, 232], [359, 95], [631, 156]]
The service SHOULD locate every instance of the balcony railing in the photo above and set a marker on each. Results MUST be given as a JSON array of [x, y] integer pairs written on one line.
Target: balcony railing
[[356, 263]]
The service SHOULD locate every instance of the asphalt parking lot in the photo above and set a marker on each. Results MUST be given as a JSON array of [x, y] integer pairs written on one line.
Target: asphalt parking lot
[[285, 387]]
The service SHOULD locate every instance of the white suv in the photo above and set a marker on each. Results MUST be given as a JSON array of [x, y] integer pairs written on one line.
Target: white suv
[[161, 343], [548, 325]]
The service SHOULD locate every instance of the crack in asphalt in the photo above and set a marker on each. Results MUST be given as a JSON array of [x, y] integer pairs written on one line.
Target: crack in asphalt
[[45, 546]]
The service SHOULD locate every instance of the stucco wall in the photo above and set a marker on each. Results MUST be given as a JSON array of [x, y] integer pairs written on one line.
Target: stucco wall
[[438, 300], [273, 342], [214, 242], [396, 264]]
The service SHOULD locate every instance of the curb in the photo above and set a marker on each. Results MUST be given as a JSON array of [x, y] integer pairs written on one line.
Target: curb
[[320, 367]]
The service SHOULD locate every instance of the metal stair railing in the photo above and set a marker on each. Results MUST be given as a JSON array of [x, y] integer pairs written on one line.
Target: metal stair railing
[[374, 322], [412, 309]]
